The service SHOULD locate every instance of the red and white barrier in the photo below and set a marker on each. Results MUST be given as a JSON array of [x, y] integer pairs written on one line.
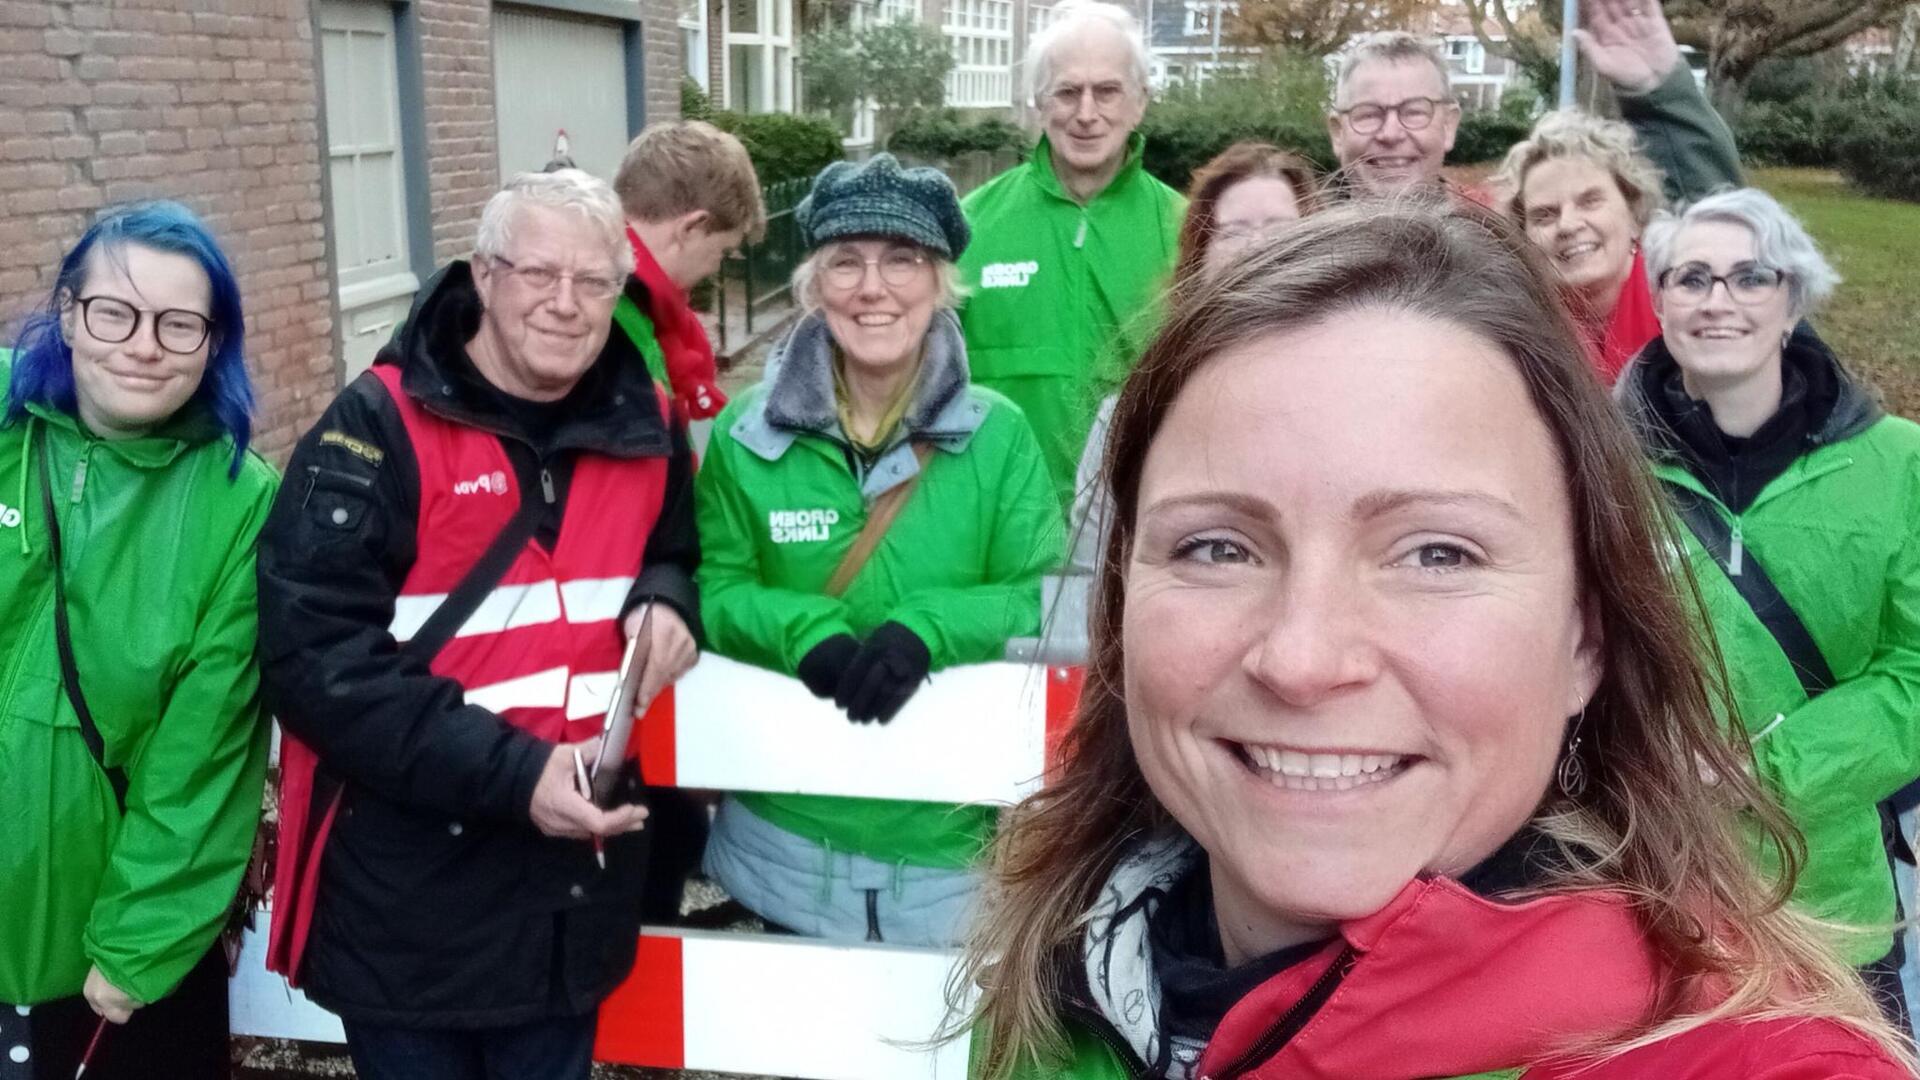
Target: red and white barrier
[[796, 1007]]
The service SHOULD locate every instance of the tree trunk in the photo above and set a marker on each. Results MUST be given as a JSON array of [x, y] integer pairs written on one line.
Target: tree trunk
[[1903, 48]]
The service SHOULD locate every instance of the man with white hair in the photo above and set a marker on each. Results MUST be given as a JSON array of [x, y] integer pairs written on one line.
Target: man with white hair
[[1070, 247], [466, 541]]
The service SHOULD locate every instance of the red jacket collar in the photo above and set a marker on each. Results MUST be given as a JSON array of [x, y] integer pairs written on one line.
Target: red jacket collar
[[1447, 983]]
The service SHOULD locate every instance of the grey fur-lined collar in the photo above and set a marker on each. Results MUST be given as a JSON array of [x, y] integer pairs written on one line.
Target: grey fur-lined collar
[[799, 400]]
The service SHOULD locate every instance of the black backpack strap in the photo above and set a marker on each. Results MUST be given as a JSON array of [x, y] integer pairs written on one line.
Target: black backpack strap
[[1750, 580], [480, 580], [70, 671]]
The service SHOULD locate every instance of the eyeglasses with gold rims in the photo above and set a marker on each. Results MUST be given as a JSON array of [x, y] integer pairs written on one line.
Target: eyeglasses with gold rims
[[1414, 113], [846, 268], [113, 321], [545, 279]]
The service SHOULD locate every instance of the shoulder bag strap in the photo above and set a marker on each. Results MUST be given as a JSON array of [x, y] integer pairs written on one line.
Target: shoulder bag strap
[[1750, 580], [69, 671], [479, 580], [879, 520]]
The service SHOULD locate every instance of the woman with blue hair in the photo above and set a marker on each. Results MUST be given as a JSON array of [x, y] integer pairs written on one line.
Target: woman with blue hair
[[132, 740]]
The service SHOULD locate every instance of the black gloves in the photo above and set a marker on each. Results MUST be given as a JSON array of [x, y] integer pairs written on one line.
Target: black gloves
[[882, 675], [823, 665]]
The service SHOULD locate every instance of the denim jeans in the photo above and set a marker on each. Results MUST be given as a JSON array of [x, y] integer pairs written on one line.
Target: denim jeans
[[560, 1048]]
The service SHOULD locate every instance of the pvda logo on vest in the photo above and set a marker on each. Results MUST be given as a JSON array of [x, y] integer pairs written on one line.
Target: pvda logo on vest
[[9, 517]]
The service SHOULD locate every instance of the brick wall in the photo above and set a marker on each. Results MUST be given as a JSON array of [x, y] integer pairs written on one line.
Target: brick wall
[[660, 28], [108, 100], [463, 158]]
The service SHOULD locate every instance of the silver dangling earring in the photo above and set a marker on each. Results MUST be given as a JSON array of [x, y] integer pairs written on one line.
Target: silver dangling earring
[[1571, 774]]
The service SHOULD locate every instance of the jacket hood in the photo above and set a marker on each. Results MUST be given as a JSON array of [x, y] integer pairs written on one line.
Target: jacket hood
[[618, 411], [1438, 960], [1641, 394], [799, 379]]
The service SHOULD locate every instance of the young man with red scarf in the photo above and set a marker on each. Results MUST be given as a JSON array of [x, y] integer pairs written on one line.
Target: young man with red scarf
[[690, 196]]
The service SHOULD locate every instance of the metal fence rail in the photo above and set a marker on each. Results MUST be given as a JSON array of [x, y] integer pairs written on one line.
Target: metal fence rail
[[763, 271]]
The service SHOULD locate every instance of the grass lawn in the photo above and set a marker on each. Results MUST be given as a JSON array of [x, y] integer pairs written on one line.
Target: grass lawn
[[1875, 244]]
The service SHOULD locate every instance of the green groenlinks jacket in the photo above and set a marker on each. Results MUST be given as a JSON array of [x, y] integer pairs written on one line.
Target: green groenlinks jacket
[[159, 546], [1061, 295], [779, 503], [1839, 534]]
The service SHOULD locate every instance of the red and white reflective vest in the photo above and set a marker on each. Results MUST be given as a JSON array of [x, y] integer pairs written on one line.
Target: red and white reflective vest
[[542, 651]]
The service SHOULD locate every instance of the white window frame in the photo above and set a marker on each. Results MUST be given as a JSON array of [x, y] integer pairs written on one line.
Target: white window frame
[[373, 282], [980, 34], [1199, 17], [772, 50], [693, 35]]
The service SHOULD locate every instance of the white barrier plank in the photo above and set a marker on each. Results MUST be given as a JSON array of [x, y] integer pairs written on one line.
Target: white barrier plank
[[263, 1005], [798, 1008], [973, 734]]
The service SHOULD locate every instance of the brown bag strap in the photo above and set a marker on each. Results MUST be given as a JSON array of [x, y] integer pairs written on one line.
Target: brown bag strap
[[879, 520]]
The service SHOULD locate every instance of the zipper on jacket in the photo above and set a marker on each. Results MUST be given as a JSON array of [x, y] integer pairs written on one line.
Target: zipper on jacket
[[546, 485], [1295, 1018], [1736, 554], [79, 478], [1102, 1029], [1080, 234]]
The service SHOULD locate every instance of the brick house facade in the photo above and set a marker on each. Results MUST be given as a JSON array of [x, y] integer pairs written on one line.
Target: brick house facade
[[226, 107]]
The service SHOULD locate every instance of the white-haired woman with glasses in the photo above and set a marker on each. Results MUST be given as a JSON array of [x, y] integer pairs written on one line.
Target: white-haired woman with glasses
[[1801, 501], [867, 515]]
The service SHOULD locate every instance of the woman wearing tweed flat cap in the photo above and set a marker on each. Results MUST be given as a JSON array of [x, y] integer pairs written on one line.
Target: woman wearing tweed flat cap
[[867, 516]]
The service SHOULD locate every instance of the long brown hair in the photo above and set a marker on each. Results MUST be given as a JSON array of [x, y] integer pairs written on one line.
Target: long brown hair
[[1647, 825], [1241, 161]]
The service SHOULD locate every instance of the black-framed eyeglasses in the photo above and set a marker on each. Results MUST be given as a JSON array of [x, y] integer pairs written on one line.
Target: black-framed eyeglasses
[[1414, 113], [1748, 284], [846, 268], [113, 321], [545, 279]]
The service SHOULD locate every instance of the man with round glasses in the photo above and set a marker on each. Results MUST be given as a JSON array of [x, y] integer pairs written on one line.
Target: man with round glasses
[[1393, 117], [1070, 247], [472, 532]]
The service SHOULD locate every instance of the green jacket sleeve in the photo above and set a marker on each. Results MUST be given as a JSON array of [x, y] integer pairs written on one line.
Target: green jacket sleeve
[[971, 624], [1090, 1059], [747, 619], [1860, 741], [1684, 137], [193, 799]]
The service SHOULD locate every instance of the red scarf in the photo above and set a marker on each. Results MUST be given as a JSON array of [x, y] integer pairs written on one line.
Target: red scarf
[[1612, 342], [683, 341]]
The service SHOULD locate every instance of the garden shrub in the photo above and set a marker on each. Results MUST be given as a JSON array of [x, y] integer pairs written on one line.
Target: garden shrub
[[937, 134], [782, 146]]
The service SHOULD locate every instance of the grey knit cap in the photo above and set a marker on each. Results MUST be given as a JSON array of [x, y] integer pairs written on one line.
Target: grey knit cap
[[877, 197]]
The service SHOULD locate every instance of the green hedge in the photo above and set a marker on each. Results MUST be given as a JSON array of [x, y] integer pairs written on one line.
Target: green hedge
[[938, 134], [1487, 136], [783, 147], [1880, 149], [1800, 132]]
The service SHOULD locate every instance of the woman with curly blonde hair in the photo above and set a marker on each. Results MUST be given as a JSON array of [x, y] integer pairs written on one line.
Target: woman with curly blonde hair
[[1584, 188], [1390, 758]]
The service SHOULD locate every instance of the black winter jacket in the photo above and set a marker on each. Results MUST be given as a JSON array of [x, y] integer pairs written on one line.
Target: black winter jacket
[[439, 903]]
